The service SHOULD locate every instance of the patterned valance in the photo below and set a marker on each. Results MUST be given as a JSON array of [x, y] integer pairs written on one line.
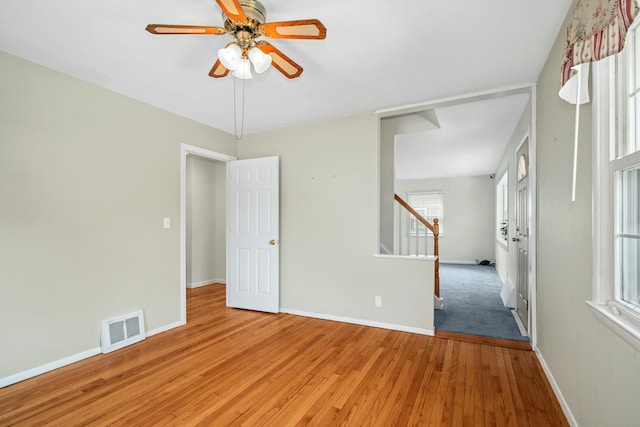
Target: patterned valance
[[597, 29]]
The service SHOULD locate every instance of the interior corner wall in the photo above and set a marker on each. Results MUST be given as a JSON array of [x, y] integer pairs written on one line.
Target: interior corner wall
[[206, 237], [387, 176], [468, 226], [86, 178], [329, 217], [220, 214], [597, 372], [506, 257]]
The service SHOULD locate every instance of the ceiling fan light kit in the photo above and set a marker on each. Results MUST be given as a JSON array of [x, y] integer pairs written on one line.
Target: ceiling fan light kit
[[230, 56], [260, 60], [243, 71], [233, 57], [245, 20]]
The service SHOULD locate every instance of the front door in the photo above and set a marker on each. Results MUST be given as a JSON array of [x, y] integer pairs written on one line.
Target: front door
[[521, 238], [253, 234]]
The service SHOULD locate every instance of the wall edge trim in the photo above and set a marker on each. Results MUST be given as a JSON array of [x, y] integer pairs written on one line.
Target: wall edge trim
[[362, 322], [51, 366], [556, 389], [47, 367]]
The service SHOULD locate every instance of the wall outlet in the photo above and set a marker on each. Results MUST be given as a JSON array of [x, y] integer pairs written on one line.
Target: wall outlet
[[378, 301], [167, 223]]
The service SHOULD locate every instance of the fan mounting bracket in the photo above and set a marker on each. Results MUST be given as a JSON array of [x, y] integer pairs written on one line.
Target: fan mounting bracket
[[246, 32]]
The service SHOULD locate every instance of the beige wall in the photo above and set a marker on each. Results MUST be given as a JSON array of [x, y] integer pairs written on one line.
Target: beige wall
[[221, 221], [468, 230], [329, 226], [597, 372], [387, 129], [86, 178], [205, 222]]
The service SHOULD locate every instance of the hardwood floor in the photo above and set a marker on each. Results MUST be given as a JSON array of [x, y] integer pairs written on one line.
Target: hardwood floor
[[518, 345], [236, 367]]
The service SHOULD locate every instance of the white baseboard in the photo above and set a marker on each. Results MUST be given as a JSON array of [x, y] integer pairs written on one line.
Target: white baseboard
[[556, 389], [206, 283], [30, 373], [450, 261], [164, 328], [519, 324], [361, 322]]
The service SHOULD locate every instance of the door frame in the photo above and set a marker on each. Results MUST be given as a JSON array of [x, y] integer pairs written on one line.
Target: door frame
[[530, 214], [533, 221], [185, 150], [531, 89], [530, 135]]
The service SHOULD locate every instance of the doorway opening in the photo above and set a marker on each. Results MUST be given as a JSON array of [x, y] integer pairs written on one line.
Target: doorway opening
[[202, 219], [206, 221], [456, 147]]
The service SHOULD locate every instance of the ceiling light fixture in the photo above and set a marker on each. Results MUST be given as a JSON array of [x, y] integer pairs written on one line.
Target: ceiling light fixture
[[238, 57], [243, 70], [230, 56], [235, 58], [245, 20]]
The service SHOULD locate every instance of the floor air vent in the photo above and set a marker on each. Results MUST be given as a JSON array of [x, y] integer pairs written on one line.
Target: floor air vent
[[122, 331]]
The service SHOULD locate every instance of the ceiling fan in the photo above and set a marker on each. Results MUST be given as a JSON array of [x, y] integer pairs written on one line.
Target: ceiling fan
[[246, 21]]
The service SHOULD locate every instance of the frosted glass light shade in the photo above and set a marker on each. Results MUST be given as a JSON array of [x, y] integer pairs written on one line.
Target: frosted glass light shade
[[261, 61], [244, 70], [230, 56]]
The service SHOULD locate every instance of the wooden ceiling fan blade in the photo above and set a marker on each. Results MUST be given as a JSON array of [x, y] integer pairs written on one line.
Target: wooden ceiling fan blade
[[183, 29], [300, 29], [218, 70], [233, 10], [280, 61]]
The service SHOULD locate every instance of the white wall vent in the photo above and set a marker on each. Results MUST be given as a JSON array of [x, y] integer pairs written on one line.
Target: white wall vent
[[122, 331]]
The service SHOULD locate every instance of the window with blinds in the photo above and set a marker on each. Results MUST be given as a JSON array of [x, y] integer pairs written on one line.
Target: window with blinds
[[428, 204]]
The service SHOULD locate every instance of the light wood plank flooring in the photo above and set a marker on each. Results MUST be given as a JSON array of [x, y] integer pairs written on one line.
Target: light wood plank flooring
[[236, 367]]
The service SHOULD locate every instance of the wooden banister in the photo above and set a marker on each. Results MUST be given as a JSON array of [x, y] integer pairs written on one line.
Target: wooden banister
[[414, 213], [435, 229]]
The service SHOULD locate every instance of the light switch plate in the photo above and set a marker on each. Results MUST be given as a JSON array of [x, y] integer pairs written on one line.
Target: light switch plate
[[167, 223]]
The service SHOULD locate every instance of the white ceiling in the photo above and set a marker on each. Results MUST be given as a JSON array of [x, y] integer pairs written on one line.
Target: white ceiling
[[469, 140], [377, 54]]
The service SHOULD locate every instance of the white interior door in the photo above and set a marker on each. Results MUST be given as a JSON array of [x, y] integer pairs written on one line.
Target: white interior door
[[253, 234], [521, 237]]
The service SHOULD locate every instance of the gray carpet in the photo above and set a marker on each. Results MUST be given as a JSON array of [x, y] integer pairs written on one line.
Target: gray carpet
[[472, 303]]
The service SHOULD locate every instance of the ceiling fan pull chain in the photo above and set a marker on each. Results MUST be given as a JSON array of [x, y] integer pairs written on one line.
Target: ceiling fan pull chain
[[235, 110]]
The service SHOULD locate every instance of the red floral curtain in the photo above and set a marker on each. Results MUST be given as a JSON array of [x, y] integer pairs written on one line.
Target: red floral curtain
[[597, 30]]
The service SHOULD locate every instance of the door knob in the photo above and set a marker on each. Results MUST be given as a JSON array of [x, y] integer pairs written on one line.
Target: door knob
[[273, 242], [515, 239]]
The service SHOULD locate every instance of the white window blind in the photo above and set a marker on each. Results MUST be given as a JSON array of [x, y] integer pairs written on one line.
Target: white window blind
[[428, 204]]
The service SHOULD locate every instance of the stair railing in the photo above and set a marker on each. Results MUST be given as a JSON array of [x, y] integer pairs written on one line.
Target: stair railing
[[435, 230]]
